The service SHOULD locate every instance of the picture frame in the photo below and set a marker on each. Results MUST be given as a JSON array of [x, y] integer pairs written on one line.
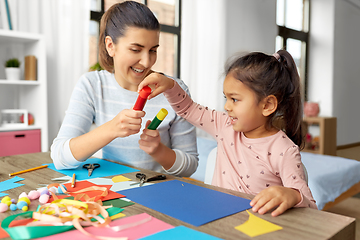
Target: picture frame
[[12, 118]]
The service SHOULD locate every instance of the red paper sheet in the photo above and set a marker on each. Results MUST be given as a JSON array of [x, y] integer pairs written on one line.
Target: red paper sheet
[[95, 193]]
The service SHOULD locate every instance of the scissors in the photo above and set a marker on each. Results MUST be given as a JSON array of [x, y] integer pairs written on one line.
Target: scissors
[[142, 178], [91, 167]]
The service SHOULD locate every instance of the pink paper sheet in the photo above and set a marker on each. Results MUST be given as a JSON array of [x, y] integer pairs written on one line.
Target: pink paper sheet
[[142, 230]]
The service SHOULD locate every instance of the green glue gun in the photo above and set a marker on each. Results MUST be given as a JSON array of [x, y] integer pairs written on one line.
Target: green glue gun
[[158, 119]]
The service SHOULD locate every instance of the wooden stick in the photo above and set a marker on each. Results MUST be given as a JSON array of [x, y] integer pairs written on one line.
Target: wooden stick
[[73, 181], [27, 170]]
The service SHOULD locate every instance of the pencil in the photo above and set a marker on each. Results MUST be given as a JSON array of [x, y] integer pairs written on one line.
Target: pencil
[[73, 181], [27, 170]]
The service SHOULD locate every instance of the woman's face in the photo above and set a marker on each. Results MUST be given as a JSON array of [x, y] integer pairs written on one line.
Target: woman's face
[[133, 55]]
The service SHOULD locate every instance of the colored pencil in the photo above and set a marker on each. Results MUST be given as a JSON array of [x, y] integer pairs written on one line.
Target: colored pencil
[[27, 170], [73, 181]]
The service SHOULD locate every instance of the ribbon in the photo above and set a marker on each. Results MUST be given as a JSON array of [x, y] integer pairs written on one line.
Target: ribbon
[[62, 215]]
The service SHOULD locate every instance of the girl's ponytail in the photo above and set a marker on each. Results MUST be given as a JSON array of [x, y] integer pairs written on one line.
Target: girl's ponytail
[[291, 106]]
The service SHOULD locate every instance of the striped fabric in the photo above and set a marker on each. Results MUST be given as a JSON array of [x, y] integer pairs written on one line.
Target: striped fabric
[[98, 98]]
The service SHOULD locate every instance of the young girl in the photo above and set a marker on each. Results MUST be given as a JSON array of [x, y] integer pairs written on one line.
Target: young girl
[[254, 156], [129, 38]]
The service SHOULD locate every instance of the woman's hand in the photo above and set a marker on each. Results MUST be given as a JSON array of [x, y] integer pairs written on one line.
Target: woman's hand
[[149, 140], [159, 80], [279, 197], [126, 123]]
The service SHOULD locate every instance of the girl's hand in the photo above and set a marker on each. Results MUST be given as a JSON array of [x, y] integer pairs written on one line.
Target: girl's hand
[[159, 80], [276, 196], [149, 140], [126, 123]]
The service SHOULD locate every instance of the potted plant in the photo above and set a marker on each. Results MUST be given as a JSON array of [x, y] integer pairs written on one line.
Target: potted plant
[[12, 69], [95, 67]]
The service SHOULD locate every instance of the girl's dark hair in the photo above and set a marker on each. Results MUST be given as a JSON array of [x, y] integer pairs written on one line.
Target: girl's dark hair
[[274, 75], [116, 20]]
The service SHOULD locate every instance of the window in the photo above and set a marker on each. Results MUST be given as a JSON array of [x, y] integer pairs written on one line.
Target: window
[[168, 14], [292, 18]]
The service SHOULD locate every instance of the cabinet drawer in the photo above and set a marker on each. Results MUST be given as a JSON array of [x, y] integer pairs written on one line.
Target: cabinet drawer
[[20, 142]]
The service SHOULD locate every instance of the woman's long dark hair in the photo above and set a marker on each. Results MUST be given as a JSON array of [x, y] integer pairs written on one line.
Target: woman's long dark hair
[[274, 75], [116, 20]]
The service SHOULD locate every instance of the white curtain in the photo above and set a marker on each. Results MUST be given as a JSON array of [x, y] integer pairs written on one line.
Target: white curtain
[[203, 50], [65, 24]]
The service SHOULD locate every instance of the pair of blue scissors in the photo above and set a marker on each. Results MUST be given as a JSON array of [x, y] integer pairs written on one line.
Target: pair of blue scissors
[[91, 167]]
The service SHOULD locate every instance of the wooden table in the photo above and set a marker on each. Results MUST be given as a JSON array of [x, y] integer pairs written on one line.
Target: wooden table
[[297, 223]]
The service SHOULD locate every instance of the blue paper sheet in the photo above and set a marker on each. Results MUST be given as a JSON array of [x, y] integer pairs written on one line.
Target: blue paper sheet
[[106, 169], [187, 202], [180, 233], [10, 184]]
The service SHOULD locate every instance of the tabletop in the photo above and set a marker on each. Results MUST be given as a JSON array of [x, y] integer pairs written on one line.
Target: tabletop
[[297, 223]]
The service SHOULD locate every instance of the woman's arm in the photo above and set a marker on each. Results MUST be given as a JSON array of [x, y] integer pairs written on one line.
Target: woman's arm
[[74, 142]]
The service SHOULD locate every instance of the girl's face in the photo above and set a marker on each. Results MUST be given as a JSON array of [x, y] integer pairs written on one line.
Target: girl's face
[[133, 55], [243, 108]]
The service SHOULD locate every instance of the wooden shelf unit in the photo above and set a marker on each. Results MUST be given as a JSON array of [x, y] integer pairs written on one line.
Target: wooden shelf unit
[[25, 94], [327, 137]]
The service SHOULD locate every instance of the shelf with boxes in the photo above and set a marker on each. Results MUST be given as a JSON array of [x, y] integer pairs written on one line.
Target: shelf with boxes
[[323, 141], [18, 97]]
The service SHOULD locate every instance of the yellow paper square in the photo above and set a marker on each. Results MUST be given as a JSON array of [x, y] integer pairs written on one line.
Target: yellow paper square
[[256, 226], [119, 215], [120, 178]]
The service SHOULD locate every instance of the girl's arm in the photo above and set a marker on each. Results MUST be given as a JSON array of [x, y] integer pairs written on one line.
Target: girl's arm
[[200, 116], [181, 158], [294, 192]]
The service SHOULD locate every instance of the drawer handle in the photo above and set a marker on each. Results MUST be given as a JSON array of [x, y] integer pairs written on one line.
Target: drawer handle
[[19, 135]]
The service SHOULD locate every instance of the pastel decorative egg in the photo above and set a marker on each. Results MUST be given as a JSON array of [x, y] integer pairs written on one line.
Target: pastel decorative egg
[[25, 199], [44, 198], [5, 199], [21, 204], [40, 190], [53, 189], [13, 207], [3, 207], [45, 191], [23, 194], [33, 195]]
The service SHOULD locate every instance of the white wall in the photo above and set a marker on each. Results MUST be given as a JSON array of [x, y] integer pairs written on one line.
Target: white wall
[[250, 26], [214, 30], [334, 69], [347, 71], [321, 55]]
